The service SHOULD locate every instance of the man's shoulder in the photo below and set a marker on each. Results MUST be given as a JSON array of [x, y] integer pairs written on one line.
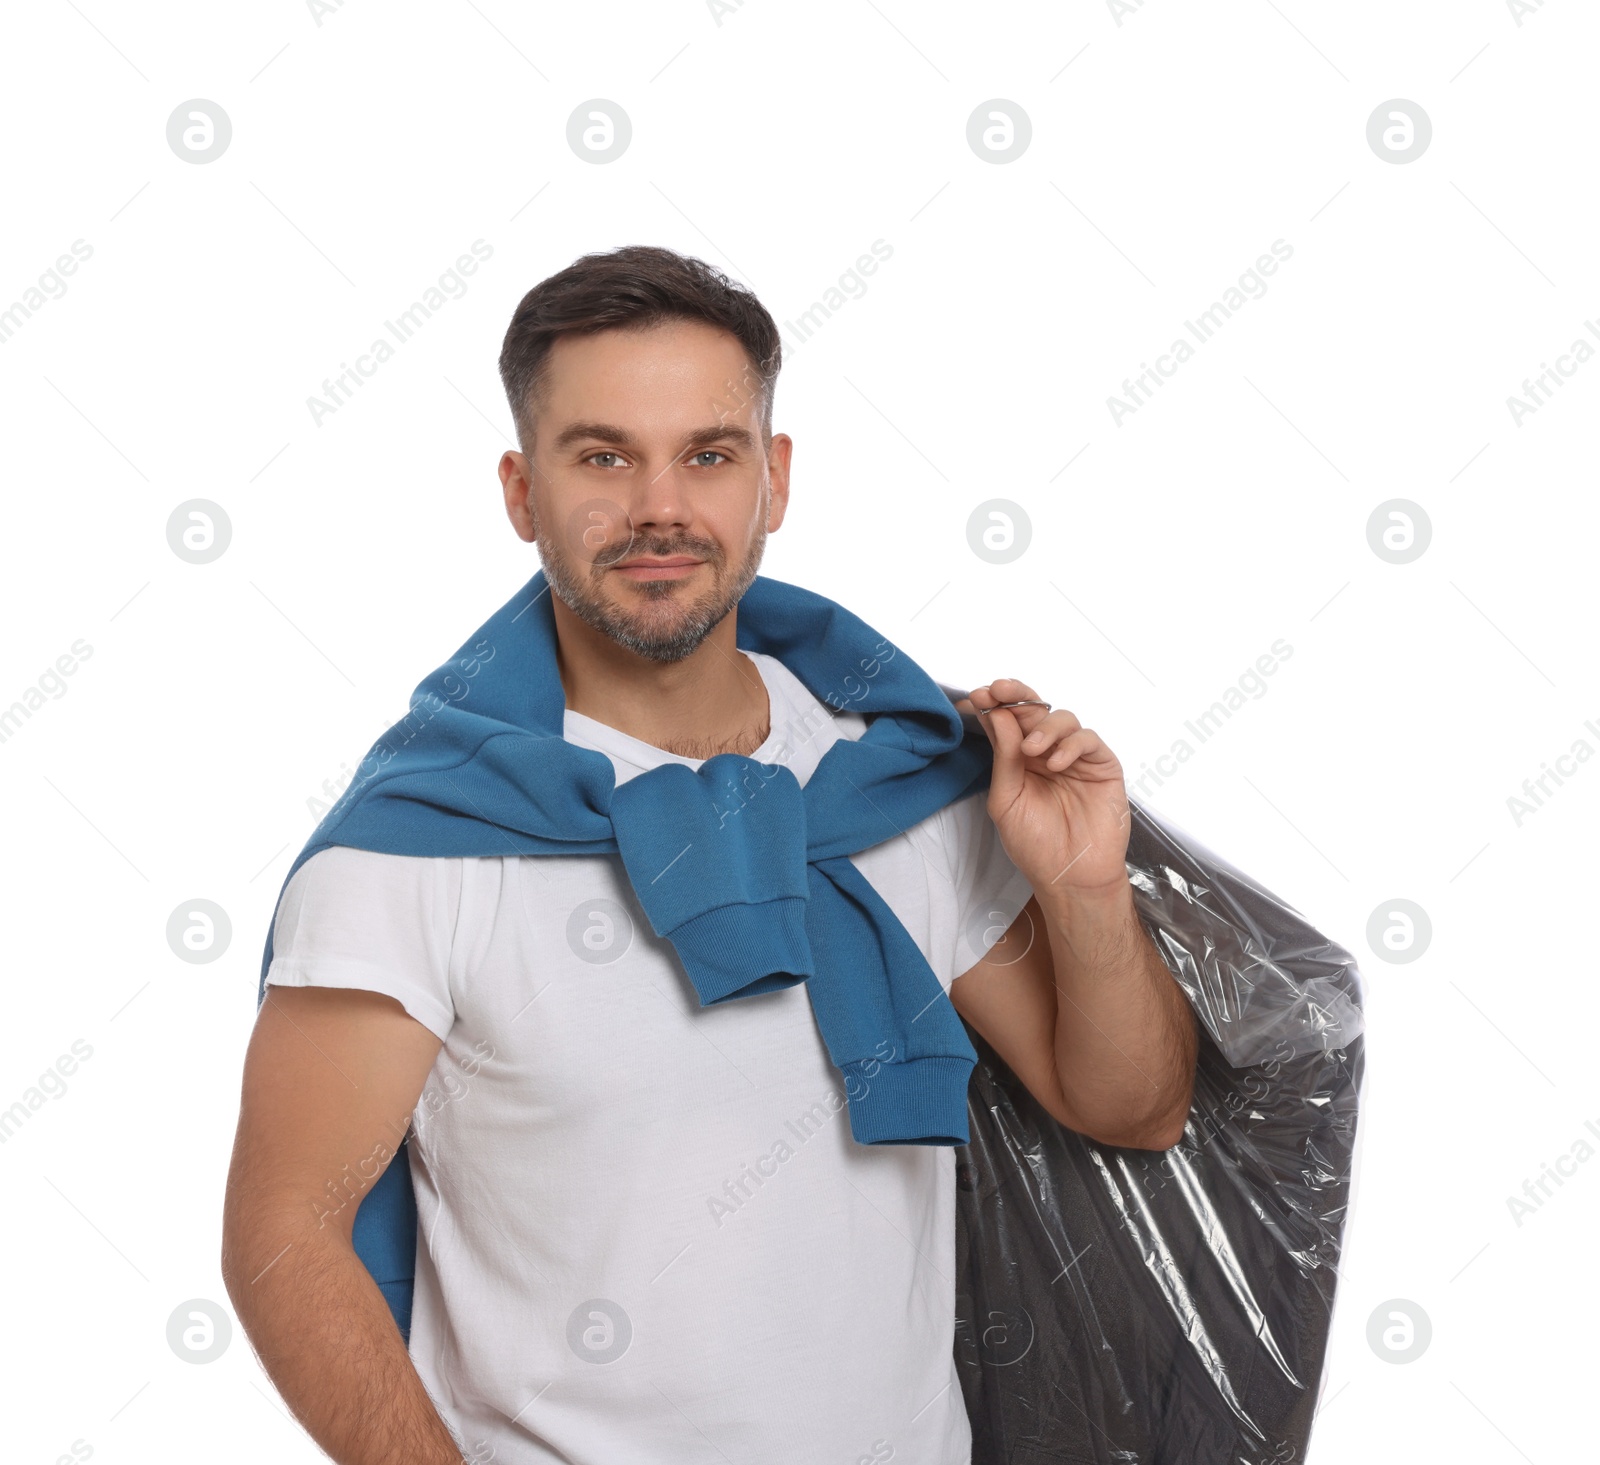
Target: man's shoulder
[[349, 867]]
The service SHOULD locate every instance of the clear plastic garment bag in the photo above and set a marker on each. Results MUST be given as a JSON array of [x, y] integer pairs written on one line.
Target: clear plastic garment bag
[[1170, 1308]]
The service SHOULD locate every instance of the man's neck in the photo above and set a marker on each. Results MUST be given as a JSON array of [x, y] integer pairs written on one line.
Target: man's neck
[[713, 701]]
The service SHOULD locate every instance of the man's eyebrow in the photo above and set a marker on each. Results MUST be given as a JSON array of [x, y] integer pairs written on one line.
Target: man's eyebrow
[[600, 432], [722, 432], [700, 437]]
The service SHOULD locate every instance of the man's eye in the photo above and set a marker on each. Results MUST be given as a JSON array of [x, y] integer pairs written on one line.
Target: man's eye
[[709, 453], [595, 457]]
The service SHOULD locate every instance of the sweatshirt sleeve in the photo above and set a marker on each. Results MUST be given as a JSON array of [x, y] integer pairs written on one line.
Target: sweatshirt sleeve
[[384, 923]]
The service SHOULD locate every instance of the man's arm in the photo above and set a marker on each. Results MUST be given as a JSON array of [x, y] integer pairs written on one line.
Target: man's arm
[[330, 1079], [1076, 999], [1079, 1004]]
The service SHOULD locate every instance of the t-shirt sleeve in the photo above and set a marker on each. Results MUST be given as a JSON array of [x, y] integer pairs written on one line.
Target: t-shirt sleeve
[[986, 892], [385, 923]]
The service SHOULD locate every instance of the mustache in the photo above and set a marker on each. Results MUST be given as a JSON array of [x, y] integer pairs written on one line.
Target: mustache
[[662, 551]]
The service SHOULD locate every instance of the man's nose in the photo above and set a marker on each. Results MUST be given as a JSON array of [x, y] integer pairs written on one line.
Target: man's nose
[[659, 502]]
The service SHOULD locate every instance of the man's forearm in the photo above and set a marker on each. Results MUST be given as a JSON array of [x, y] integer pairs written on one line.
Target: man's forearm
[[1125, 1038], [326, 1338]]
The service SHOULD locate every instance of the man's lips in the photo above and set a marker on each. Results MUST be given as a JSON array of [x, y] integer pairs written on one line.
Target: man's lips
[[670, 567]]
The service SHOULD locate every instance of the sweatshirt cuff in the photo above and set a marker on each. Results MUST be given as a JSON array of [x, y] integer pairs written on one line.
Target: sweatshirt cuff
[[728, 943], [920, 1101]]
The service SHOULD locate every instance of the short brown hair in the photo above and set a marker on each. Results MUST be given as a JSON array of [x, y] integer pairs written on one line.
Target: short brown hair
[[632, 288]]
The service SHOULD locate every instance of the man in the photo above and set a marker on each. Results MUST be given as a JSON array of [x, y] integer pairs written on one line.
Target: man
[[645, 1230]]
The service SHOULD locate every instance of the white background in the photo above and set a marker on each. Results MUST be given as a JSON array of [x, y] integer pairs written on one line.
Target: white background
[[1168, 552]]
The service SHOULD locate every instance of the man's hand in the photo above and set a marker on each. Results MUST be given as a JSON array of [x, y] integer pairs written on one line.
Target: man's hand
[[1056, 795]]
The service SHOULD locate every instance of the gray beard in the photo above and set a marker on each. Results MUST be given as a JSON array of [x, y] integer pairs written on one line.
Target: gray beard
[[576, 587]]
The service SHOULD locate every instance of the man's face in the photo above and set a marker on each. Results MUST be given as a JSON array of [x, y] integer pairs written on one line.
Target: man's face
[[648, 444]]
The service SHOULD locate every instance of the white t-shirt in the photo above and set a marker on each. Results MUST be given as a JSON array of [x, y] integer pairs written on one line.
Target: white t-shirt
[[645, 1233]]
